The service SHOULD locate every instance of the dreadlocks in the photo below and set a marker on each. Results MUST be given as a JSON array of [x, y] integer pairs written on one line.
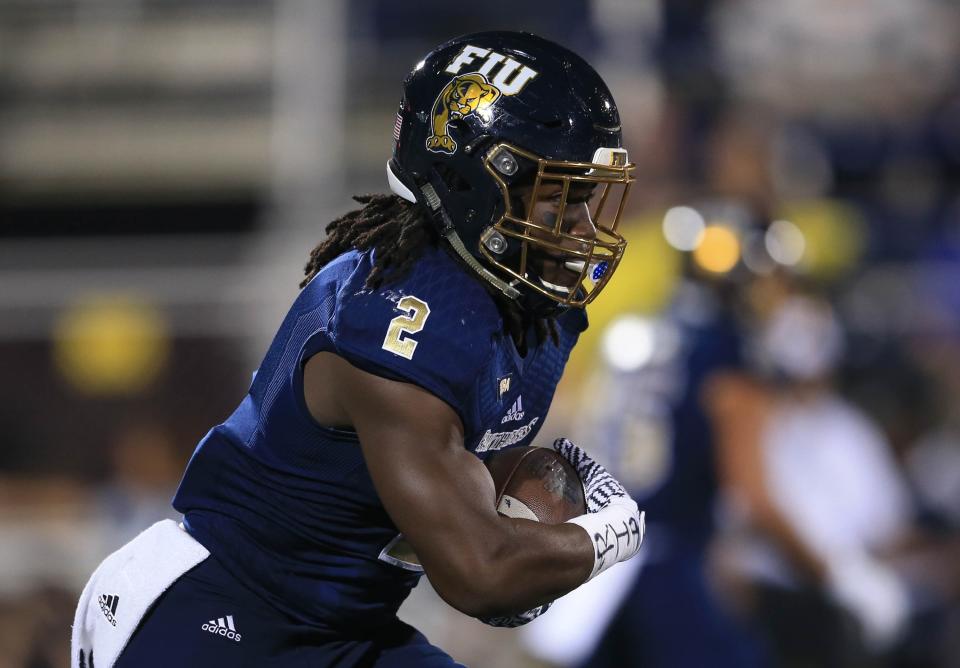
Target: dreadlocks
[[398, 231], [395, 229]]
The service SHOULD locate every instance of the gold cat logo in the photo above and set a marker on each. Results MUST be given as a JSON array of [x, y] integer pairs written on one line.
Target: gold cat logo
[[464, 95], [472, 93]]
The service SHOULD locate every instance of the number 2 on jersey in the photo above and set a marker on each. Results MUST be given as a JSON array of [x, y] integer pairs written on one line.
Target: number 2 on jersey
[[411, 323]]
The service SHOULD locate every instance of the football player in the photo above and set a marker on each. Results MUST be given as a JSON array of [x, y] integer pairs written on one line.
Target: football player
[[427, 318]]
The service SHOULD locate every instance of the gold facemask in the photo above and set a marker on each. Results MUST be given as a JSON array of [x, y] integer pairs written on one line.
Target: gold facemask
[[591, 259]]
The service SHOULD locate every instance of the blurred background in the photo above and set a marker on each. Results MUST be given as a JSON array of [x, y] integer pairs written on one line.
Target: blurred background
[[775, 371]]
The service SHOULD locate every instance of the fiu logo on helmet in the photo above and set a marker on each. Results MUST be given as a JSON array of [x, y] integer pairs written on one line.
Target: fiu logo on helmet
[[473, 92], [461, 97]]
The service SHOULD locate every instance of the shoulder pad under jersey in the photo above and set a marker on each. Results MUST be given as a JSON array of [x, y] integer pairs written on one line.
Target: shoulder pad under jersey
[[434, 327]]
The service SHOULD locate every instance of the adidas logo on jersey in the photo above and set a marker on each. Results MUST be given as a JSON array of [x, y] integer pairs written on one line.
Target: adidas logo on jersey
[[108, 604], [515, 412], [219, 627]]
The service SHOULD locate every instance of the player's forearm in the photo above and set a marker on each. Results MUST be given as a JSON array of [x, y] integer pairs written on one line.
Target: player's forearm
[[542, 563], [522, 565]]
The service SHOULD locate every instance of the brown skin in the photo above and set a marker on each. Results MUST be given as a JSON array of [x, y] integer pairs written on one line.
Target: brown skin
[[440, 495], [576, 220]]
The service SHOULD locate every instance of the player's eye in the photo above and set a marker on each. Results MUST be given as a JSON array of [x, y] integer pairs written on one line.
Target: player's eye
[[580, 195]]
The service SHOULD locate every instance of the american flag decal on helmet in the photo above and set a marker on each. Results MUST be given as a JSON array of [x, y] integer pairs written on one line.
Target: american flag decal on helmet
[[396, 127]]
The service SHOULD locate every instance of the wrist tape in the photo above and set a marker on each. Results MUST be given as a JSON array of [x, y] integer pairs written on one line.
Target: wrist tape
[[616, 532]]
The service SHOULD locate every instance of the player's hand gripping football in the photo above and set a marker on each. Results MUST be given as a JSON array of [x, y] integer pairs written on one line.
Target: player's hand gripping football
[[613, 521]]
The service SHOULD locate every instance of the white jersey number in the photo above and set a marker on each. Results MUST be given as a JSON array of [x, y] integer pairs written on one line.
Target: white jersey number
[[416, 316]]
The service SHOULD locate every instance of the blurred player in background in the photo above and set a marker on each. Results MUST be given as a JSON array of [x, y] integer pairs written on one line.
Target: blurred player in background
[[431, 330], [824, 504], [724, 403], [652, 418]]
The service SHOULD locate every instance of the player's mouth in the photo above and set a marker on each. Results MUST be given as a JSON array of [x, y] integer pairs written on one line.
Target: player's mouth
[[596, 270], [561, 276], [553, 287], [575, 266]]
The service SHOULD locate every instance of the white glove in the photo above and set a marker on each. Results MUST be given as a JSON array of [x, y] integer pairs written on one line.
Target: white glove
[[613, 521], [873, 594], [516, 620]]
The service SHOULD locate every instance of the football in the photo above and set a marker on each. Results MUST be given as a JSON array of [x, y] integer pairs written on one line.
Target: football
[[536, 484]]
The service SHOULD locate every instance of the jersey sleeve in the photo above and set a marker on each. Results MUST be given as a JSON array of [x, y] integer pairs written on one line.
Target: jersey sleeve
[[432, 329]]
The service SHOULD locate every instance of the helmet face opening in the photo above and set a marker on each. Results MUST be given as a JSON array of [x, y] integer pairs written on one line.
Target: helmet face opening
[[563, 256]]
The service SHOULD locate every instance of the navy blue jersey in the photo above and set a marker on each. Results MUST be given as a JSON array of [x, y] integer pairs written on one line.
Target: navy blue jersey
[[287, 505]]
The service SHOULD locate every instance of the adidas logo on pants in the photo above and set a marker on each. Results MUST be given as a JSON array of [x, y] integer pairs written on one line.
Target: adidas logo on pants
[[220, 628], [108, 605]]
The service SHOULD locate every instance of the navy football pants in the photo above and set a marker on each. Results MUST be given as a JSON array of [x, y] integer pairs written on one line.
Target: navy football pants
[[208, 619]]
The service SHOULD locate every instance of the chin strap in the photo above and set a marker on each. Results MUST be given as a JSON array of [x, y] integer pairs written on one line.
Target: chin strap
[[449, 231], [451, 235]]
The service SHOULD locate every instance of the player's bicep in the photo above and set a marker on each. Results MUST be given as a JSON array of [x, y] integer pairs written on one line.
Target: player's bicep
[[436, 492]]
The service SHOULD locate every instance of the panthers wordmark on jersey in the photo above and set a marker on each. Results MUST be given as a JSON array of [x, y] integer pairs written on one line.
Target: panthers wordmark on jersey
[[288, 505]]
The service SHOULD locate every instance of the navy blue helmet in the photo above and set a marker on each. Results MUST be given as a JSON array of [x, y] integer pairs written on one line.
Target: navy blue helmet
[[487, 123]]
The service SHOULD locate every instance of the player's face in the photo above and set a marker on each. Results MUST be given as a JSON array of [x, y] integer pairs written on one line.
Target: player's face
[[554, 267]]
